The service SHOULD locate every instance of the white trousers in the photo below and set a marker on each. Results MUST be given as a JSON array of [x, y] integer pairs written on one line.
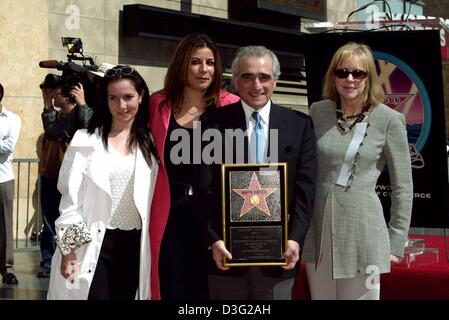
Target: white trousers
[[324, 287]]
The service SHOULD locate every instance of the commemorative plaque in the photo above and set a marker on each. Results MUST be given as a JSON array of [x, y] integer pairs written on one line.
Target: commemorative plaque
[[255, 213]]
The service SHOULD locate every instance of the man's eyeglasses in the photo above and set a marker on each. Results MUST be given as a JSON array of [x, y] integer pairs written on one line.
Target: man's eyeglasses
[[356, 74], [125, 70]]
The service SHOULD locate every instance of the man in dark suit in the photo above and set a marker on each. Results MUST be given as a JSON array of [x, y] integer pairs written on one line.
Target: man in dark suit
[[255, 70]]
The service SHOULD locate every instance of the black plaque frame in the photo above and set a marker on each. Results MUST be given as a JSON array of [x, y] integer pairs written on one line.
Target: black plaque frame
[[257, 236]]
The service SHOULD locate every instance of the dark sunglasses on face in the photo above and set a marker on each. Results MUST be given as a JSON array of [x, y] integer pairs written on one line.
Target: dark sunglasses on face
[[356, 74], [125, 70]]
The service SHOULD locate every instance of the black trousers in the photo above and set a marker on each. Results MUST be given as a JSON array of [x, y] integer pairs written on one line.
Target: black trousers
[[117, 273], [182, 262], [50, 198]]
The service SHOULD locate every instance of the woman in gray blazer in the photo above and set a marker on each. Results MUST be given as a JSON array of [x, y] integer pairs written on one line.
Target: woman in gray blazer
[[349, 243]]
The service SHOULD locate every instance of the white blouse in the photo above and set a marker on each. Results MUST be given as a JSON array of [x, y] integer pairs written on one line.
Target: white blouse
[[124, 213]]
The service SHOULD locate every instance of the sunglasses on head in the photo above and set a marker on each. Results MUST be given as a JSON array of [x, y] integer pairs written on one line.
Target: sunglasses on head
[[356, 74], [125, 70]]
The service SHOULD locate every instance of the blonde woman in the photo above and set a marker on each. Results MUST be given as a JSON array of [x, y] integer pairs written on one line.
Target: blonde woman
[[349, 244]]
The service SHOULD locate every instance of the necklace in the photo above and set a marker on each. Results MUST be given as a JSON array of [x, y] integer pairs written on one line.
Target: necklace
[[341, 118], [353, 116]]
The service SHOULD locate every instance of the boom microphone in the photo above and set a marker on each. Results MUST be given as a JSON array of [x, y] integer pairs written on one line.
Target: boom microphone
[[50, 64]]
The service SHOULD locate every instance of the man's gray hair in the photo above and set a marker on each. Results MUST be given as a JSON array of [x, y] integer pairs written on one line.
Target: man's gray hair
[[255, 51]]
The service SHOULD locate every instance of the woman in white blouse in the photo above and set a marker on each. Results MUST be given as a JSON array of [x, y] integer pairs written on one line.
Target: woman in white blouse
[[107, 182]]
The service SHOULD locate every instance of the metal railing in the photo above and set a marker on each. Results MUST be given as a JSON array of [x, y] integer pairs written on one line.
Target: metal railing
[[26, 191]]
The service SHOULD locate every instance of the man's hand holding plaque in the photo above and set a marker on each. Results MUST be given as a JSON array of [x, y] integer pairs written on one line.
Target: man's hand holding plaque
[[219, 253]]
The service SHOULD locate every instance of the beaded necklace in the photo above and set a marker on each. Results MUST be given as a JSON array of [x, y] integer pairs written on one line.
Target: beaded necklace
[[359, 117]]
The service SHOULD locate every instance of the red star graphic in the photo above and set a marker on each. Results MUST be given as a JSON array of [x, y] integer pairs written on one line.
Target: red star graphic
[[254, 196]]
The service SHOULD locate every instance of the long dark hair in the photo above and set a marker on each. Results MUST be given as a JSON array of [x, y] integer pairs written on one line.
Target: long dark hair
[[102, 117], [178, 71]]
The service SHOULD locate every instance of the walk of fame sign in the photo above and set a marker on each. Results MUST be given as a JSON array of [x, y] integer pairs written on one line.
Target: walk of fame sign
[[255, 213]]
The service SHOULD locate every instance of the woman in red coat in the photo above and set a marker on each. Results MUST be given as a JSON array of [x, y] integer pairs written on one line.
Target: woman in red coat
[[192, 86]]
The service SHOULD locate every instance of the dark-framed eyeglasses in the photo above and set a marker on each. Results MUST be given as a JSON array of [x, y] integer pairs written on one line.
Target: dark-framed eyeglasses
[[356, 74], [125, 70]]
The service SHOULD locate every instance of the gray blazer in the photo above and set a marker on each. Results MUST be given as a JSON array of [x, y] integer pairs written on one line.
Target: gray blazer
[[360, 236]]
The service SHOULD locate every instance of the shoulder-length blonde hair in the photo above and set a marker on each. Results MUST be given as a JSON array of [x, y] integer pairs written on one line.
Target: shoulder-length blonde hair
[[373, 94], [177, 75]]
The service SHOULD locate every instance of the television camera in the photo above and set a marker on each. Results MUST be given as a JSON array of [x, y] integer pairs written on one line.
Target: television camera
[[72, 73]]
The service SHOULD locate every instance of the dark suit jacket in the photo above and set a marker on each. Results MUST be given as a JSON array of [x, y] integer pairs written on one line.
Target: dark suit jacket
[[296, 147]]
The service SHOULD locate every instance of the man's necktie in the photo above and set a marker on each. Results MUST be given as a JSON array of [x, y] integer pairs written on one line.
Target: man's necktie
[[259, 138]]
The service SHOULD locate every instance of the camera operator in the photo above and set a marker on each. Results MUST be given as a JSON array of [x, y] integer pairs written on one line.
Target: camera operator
[[60, 125]]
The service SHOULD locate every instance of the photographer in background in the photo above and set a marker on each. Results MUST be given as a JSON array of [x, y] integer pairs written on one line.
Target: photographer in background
[[60, 125]]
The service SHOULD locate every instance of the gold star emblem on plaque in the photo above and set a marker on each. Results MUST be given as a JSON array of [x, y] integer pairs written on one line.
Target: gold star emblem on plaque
[[254, 196]]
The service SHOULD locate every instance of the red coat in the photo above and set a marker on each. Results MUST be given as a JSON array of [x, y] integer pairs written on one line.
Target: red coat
[[160, 207]]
